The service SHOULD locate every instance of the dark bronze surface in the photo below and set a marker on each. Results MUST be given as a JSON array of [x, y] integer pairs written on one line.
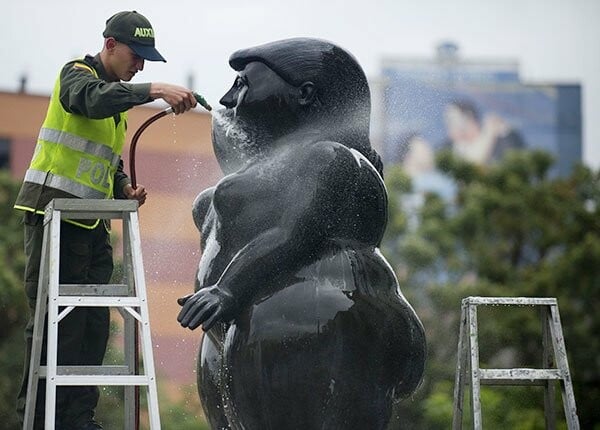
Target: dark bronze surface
[[307, 327]]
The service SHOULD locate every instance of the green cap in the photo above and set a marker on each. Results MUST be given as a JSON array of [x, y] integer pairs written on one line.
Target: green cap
[[134, 30]]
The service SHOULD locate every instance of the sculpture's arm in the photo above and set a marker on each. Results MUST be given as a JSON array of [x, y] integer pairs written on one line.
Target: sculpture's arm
[[310, 216]]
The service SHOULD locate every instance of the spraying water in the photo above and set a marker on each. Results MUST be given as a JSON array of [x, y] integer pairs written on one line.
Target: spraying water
[[232, 130]]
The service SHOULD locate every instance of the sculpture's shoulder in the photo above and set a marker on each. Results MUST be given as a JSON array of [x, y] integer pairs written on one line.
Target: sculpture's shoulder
[[326, 154], [326, 149], [338, 159]]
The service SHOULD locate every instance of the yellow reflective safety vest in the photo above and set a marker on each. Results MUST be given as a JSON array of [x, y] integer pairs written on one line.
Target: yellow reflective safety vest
[[75, 154]]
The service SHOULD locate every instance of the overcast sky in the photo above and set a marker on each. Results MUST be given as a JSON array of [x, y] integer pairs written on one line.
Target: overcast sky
[[553, 40]]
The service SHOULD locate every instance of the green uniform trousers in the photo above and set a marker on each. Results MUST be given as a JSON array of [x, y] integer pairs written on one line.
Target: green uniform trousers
[[85, 258]]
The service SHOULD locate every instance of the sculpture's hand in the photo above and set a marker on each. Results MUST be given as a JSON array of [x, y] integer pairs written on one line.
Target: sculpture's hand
[[205, 307]]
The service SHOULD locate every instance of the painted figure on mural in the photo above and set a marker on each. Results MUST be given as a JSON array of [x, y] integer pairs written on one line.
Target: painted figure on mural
[[307, 327]]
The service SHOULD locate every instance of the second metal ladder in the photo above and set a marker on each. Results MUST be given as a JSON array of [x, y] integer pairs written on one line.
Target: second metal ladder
[[468, 371], [59, 299]]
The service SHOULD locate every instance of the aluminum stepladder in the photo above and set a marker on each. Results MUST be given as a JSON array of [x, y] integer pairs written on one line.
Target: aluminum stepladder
[[128, 298], [553, 351]]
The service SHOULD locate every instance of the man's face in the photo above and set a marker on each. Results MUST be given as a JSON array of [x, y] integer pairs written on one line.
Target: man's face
[[125, 63]]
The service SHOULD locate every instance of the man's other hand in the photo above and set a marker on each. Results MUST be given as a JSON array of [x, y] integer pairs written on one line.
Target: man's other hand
[[138, 193]]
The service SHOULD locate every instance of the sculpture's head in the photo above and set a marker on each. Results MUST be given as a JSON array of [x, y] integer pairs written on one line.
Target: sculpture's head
[[291, 85]]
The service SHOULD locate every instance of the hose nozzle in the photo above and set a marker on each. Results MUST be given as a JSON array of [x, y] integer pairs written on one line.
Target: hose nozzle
[[202, 102]]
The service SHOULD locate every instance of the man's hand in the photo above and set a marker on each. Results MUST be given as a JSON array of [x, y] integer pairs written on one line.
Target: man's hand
[[179, 98], [138, 193], [207, 307]]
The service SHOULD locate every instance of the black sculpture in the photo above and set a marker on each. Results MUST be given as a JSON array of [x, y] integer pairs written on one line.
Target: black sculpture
[[307, 328]]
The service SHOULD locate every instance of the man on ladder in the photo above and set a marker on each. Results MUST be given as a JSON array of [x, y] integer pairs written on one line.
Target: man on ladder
[[78, 155]]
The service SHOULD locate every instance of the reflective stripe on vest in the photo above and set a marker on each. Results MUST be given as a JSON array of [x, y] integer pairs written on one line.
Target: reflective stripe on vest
[[79, 144], [61, 183]]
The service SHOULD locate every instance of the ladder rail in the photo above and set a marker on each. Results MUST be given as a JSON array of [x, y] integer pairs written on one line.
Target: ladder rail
[[130, 334], [547, 363], [474, 367], [139, 277], [37, 337], [560, 354], [52, 337], [461, 371]]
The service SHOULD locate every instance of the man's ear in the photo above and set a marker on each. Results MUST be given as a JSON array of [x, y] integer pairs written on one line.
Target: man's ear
[[307, 93], [110, 43]]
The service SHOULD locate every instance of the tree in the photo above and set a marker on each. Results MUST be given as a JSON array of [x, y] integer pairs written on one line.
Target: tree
[[13, 305], [512, 230]]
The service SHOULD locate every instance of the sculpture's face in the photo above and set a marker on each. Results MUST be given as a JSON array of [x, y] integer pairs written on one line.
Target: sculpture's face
[[260, 107], [260, 96]]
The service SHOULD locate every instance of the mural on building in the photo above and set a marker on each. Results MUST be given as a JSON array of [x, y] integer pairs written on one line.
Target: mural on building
[[477, 109]]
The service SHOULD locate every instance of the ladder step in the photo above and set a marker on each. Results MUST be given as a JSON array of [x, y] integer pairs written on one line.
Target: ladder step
[[121, 290], [93, 208], [87, 370], [103, 380], [95, 375], [518, 376], [514, 301], [98, 301]]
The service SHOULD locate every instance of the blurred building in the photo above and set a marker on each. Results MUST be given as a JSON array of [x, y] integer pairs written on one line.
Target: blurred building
[[174, 161], [478, 108]]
